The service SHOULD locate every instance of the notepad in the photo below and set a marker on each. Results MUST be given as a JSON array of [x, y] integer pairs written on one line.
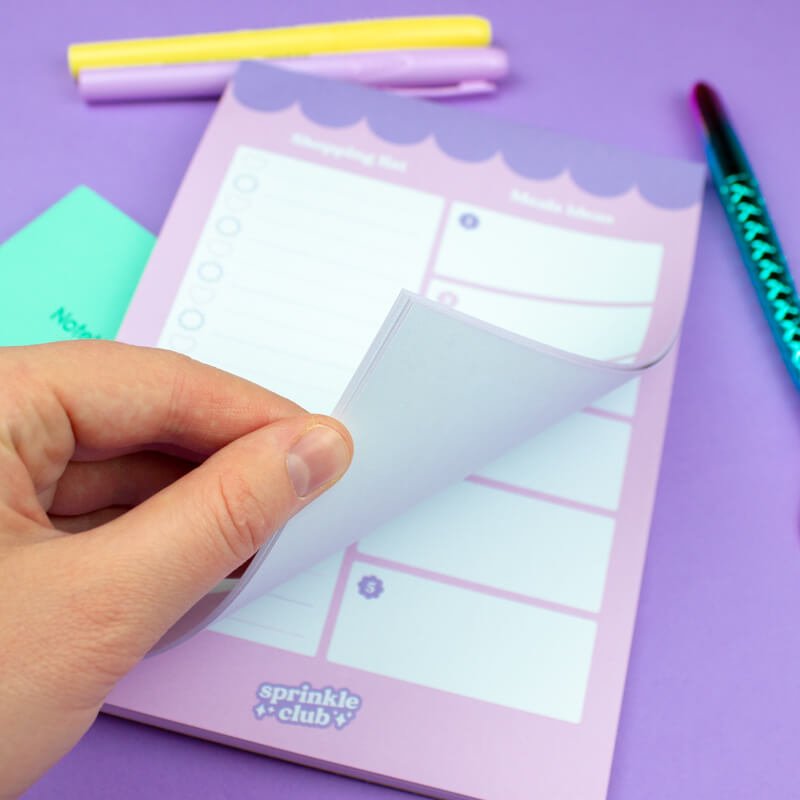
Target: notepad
[[492, 310], [71, 272]]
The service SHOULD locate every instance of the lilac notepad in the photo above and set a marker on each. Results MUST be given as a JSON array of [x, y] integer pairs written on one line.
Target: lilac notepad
[[472, 642]]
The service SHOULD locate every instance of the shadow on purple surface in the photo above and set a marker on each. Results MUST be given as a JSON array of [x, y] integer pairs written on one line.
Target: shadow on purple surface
[[115, 759]]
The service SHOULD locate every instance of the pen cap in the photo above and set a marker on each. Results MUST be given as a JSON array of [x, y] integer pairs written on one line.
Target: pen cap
[[397, 68]]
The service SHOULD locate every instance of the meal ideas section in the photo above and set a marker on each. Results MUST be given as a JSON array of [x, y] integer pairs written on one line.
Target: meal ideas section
[[511, 560]]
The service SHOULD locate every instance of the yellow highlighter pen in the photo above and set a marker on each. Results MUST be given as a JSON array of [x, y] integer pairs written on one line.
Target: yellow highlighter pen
[[301, 40]]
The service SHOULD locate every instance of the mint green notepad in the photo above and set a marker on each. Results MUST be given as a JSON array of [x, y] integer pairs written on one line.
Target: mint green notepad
[[70, 273]]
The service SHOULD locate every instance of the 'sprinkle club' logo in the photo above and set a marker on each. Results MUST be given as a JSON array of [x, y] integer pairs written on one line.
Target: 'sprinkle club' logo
[[305, 705]]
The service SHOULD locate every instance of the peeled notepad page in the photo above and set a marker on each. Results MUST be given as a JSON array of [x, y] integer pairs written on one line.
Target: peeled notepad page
[[492, 311]]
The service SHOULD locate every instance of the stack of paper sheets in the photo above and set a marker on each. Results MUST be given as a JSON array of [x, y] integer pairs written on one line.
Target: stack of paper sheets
[[492, 310]]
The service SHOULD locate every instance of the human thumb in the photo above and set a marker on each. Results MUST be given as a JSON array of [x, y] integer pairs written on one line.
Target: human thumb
[[164, 555]]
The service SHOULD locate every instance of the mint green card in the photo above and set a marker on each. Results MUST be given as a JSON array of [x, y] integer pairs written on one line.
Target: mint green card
[[70, 273]]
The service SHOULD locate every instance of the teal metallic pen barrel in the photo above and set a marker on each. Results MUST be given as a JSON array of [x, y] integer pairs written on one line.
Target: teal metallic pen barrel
[[763, 257], [752, 227]]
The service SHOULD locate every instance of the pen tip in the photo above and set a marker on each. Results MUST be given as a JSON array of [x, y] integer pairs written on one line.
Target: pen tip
[[701, 91], [706, 102]]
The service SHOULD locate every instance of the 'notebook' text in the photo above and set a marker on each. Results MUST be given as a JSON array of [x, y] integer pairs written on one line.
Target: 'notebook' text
[[70, 325]]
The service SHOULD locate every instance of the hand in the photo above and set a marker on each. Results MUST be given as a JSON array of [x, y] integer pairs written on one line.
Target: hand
[[131, 482]]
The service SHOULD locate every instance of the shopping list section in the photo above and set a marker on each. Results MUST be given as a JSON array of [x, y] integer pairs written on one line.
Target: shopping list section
[[514, 558], [294, 312]]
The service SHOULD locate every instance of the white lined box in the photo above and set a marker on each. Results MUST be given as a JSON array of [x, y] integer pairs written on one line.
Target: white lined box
[[292, 616], [602, 332], [464, 642], [502, 540], [620, 401], [532, 257], [582, 458]]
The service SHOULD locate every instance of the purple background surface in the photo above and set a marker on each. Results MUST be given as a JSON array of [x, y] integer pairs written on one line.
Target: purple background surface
[[712, 706]]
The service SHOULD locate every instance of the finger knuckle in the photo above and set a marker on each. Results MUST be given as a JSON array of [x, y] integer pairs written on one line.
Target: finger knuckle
[[240, 516], [180, 405]]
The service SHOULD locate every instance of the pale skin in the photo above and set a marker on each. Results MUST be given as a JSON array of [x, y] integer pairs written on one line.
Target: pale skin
[[131, 482]]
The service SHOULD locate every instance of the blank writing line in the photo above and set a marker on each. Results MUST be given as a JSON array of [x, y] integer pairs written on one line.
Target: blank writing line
[[328, 212], [321, 235], [304, 305], [473, 586], [291, 600], [542, 297], [315, 257], [310, 273], [243, 621], [523, 491], [306, 178], [312, 332], [259, 346], [601, 412]]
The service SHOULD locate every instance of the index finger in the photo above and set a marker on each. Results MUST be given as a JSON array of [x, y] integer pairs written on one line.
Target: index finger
[[117, 397]]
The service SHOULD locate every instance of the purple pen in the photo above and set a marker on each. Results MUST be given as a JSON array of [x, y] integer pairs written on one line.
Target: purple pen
[[427, 73]]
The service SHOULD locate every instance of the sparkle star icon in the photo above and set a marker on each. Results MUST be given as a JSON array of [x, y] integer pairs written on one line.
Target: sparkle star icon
[[260, 711]]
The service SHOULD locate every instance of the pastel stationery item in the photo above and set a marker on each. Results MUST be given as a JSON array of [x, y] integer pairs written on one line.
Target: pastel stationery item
[[463, 89], [491, 309], [752, 227], [71, 272], [399, 33], [417, 71]]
